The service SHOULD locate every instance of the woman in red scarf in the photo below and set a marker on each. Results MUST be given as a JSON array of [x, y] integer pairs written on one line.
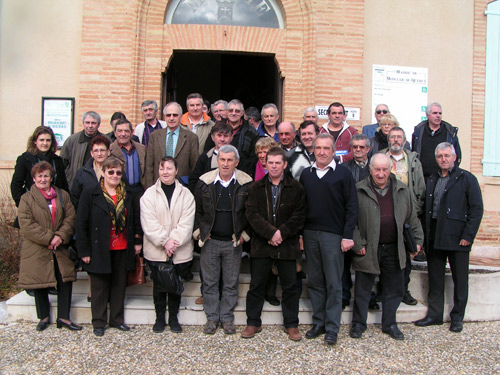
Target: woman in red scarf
[[46, 219]]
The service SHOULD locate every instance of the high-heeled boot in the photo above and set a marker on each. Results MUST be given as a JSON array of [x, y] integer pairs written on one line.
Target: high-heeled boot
[[174, 302], [160, 301]]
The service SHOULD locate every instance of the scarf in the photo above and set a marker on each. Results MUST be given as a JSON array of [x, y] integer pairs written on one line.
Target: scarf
[[118, 213], [52, 203]]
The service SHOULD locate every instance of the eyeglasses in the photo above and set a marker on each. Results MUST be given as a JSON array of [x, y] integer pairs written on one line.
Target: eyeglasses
[[384, 111], [172, 115], [111, 172], [234, 110], [355, 147]]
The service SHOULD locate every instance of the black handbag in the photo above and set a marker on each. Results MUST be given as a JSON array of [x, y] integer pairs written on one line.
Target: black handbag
[[409, 239], [169, 279]]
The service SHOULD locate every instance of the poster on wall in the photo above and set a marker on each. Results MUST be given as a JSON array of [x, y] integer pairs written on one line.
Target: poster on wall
[[57, 114], [404, 90]]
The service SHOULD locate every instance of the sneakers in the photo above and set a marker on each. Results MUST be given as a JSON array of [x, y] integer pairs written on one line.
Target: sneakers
[[229, 328], [210, 327]]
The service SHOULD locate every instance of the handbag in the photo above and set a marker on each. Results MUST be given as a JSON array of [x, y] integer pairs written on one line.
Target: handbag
[[409, 239], [138, 276], [169, 279]]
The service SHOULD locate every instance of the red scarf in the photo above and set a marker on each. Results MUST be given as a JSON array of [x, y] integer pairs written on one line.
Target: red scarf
[[51, 197]]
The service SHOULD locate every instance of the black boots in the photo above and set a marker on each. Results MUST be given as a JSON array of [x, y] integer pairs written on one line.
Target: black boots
[[173, 309], [160, 308]]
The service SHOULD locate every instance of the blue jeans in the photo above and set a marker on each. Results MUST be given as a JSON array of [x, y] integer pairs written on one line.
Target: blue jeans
[[325, 262], [220, 257]]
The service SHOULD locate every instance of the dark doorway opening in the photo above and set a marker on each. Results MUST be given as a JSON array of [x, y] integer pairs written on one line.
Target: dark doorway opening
[[252, 78]]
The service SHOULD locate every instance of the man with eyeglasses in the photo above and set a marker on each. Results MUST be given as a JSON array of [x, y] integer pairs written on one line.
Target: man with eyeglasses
[[407, 169], [380, 110], [143, 130], [340, 131], [174, 141], [196, 120]]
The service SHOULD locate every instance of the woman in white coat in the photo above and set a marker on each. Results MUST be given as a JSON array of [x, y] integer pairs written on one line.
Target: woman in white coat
[[167, 218]]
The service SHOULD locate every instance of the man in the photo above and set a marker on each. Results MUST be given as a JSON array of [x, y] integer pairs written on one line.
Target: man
[[276, 210], [76, 151], [453, 213], [360, 146], [252, 115], [340, 131], [268, 127], [287, 134], [221, 134], [332, 211], [407, 169], [132, 153], [303, 155], [380, 110], [173, 141], [114, 119], [220, 227], [219, 110], [310, 114], [196, 120], [384, 208], [144, 130], [431, 132]]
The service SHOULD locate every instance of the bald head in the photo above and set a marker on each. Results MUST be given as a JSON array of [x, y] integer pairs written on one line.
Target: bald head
[[286, 134], [380, 169]]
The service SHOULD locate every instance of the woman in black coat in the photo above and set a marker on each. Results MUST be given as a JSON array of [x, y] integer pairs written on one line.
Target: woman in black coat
[[42, 146], [108, 236]]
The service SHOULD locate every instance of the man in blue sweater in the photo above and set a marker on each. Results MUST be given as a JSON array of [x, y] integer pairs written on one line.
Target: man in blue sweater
[[332, 213]]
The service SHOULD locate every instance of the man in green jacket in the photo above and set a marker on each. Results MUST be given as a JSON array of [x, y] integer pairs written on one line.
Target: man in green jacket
[[384, 207]]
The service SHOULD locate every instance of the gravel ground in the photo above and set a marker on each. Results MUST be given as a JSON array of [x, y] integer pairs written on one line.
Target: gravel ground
[[432, 350]]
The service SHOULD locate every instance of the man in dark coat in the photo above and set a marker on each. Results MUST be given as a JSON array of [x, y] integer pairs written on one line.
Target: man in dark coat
[[453, 213], [276, 210]]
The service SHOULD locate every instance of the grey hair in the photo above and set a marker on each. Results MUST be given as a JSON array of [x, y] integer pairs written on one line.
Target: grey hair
[[360, 137], [396, 128], [145, 103], [310, 109], [443, 146], [237, 102], [288, 123], [269, 105], [324, 136], [227, 149], [217, 102], [92, 114], [174, 104], [388, 110], [379, 155], [194, 95], [428, 109]]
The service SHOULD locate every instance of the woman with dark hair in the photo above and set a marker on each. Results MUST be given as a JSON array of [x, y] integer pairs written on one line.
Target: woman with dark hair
[[42, 146], [46, 219], [108, 236], [167, 218]]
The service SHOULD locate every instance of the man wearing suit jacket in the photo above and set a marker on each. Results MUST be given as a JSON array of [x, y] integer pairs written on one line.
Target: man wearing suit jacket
[[172, 141]]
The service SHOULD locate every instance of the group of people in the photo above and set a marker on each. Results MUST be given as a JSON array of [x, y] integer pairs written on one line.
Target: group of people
[[163, 189]]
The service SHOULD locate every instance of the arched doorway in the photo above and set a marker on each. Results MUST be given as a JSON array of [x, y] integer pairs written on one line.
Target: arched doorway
[[252, 78]]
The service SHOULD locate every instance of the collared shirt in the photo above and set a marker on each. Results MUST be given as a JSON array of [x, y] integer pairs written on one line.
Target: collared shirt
[[222, 182], [275, 192], [195, 126], [175, 138], [399, 166], [132, 165], [148, 129], [361, 164], [382, 191], [321, 172], [439, 189]]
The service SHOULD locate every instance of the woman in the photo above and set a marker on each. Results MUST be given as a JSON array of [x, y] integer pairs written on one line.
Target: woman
[[46, 219], [167, 218], [42, 146], [261, 148], [108, 236], [379, 141]]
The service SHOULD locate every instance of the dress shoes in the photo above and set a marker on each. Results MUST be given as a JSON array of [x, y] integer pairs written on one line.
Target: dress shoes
[[331, 338], [356, 331], [71, 326], [99, 332], [345, 303], [426, 322], [273, 301], [42, 325], [293, 333], [121, 327], [373, 305], [394, 332], [199, 301], [250, 331], [456, 326], [408, 299], [315, 331]]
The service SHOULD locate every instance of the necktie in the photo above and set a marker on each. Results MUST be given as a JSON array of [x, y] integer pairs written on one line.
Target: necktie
[[170, 144]]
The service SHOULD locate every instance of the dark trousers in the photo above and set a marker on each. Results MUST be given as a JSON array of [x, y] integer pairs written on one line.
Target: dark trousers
[[63, 297], [287, 271], [391, 276], [160, 297], [109, 287], [407, 271], [346, 277]]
